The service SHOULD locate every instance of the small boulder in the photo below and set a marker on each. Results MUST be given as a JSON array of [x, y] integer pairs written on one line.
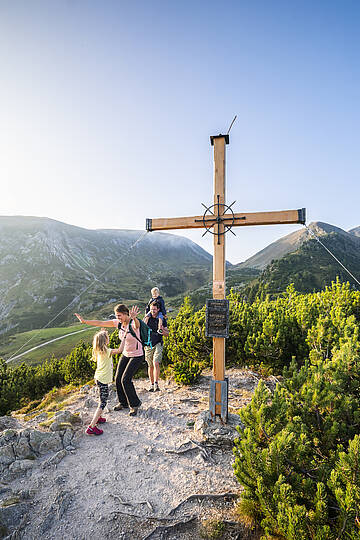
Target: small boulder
[[20, 466], [22, 449], [7, 455], [64, 420], [55, 459], [90, 403], [7, 436], [43, 442], [8, 422], [11, 515], [67, 437], [214, 431]]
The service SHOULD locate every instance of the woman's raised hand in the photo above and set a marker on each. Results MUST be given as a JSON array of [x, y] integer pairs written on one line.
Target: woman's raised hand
[[134, 312], [79, 317]]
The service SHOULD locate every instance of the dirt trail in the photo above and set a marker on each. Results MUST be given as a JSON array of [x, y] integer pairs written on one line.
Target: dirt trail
[[124, 483]]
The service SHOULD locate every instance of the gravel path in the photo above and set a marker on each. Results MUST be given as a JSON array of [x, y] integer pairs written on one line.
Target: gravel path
[[124, 483]]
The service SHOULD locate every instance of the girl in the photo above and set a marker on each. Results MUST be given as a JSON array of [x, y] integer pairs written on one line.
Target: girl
[[103, 376]]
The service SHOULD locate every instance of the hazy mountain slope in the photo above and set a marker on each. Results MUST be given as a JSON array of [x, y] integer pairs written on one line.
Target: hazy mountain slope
[[45, 264]]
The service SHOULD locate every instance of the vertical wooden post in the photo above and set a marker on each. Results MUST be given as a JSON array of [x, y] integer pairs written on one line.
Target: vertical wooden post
[[219, 290]]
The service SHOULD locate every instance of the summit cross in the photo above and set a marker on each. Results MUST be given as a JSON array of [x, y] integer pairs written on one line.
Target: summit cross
[[219, 219]]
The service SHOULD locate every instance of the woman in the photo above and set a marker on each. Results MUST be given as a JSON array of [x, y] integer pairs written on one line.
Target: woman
[[132, 354]]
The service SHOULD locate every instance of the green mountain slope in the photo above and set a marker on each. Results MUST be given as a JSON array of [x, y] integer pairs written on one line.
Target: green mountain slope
[[45, 264], [310, 267]]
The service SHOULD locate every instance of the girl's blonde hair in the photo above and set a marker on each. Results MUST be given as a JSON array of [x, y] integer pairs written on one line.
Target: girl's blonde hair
[[154, 290], [100, 343]]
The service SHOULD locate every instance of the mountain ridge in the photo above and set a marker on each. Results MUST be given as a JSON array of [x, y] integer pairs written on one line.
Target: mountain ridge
[[290, 243], [45, 263]]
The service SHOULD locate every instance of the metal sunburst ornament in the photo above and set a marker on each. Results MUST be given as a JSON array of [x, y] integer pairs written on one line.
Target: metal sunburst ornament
[[216, 214]]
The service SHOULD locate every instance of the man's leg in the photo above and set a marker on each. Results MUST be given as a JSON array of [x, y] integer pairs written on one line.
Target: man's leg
[[123, 362], [158, 350], [149, 353], [156, 370]]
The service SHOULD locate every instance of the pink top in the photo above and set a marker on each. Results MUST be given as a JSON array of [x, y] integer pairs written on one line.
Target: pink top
[[132, 347]]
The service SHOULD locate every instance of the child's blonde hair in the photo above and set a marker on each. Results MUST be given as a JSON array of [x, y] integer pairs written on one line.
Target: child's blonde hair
[[155, 290], [100, 342]]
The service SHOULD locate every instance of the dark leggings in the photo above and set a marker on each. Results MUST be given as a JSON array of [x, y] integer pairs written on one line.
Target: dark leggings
[[104, 394], [126, 369]]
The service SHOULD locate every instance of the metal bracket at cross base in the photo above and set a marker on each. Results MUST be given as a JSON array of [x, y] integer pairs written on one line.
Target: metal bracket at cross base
[[224, 399]]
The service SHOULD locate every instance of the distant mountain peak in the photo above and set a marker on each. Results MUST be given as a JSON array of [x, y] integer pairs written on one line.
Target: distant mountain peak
[[355, 231], [291, 242]]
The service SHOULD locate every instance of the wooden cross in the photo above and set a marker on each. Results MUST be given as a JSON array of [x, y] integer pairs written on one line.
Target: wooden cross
[[220, 221]]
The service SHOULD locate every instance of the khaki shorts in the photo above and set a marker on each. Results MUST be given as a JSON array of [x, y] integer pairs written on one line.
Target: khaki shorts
[[154, 354]]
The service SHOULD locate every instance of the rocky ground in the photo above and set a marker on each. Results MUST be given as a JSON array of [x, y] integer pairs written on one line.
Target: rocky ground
[[164, 474]]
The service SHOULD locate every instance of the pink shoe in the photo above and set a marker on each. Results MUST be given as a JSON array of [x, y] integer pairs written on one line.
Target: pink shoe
[[101, 420], [94, 431]]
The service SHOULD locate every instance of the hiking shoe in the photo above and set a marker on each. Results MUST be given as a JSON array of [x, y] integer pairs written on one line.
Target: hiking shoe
[[134, 410], [94, 431], [156, 387], [101, 420], [119, 407], [151, 388]]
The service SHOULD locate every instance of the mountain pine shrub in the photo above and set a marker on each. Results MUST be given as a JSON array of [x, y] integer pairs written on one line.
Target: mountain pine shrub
[[298, 457], [185, 372]]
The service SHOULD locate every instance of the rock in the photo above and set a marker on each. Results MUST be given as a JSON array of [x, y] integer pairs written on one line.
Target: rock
[[60, 426], [67, 437], [84, 417], [26, 493], [41, 417], [90, 403], [62, 502], [55, 459], [216, 432], [7, 436], [67, 416], [11, 516], [43, 442], [7, 455], [8, 422], [64, 420], [4, 488], [20, 466], [25, 433], [85, 389], [13, 499], [22, 449]]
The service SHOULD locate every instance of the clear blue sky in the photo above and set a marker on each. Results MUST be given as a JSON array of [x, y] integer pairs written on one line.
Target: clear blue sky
[[106, 108]]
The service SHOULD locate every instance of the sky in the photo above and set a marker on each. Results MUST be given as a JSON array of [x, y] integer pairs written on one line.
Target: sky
[[107, 108]]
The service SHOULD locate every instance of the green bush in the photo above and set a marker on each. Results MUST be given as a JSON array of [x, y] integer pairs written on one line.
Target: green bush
[[78, 366], [185, 371], [187, 336], [298, 457]]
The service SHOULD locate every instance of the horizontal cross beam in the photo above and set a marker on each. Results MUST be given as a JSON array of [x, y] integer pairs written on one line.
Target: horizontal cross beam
[[240, 220]]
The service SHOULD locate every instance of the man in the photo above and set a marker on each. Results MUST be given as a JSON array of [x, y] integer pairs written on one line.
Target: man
[[131, 358], [153, 356]]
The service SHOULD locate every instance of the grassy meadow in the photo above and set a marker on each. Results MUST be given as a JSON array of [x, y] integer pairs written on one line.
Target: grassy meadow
[[34, 338]]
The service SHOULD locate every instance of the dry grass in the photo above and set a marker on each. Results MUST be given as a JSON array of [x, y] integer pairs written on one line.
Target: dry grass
[[55, 400]]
